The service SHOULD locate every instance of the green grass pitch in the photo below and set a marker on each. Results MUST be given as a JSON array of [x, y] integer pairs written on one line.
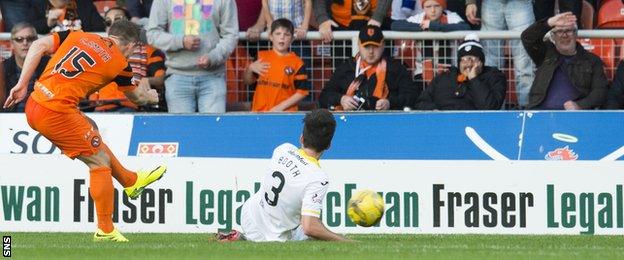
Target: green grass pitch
[[201, 246]]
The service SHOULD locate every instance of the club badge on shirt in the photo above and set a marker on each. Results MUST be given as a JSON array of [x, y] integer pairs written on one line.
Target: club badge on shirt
[[289, 70]]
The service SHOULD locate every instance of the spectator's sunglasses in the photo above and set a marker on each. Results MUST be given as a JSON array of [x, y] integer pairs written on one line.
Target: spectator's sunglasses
[[108, 22], [25, 39]]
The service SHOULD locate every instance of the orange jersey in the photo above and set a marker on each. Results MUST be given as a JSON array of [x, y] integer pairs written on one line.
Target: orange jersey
[[281, 81], [82, 64]]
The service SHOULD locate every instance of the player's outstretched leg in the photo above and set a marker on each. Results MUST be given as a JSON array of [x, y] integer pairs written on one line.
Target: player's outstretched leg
[[144, 178]]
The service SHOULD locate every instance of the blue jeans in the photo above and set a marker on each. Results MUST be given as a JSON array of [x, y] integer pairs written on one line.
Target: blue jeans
[[515, 15], [190, 94]]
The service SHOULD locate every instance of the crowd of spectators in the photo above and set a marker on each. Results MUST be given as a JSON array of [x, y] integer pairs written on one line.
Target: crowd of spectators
[[187, 43]]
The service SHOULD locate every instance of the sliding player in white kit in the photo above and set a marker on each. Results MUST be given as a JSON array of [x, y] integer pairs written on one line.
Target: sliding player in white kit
[[288, 205]]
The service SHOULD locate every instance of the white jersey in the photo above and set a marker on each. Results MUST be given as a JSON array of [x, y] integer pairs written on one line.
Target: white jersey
[[294, 185]]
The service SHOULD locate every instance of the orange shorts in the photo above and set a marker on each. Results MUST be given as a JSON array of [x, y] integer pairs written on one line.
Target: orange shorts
[[73, 133]]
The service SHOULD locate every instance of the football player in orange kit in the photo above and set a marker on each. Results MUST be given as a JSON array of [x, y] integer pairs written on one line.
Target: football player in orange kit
[[83, 63]]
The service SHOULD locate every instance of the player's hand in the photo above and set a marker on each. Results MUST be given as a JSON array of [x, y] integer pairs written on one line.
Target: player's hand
[[471, 14], [571, 105], [259, 67], [17, 94], [151, 95], [300, 33], [191, 42], [202, 61], [562, 20], [382, 104], [348, 103], [325, 29]]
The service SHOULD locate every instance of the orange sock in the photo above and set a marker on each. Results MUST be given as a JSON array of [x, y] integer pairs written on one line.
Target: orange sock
[[101, 190], [124, 176]]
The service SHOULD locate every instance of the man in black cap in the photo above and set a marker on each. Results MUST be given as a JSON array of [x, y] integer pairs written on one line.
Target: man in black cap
[[471, 87], [369, 81]]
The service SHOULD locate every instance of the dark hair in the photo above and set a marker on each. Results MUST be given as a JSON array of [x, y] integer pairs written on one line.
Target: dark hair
[[319, 126], [109, 22], [125, 30], [283, 23]]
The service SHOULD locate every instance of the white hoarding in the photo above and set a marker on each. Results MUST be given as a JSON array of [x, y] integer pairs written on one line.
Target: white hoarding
[[50, 193]]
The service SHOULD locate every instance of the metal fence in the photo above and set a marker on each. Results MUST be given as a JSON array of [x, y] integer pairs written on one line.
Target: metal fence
[[424, 53]]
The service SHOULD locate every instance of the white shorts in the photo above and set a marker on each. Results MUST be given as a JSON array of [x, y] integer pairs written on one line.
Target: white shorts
[[253, 232]]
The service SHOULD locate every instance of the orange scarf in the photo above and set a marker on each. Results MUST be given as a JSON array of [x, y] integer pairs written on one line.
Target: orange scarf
[[381, 88]]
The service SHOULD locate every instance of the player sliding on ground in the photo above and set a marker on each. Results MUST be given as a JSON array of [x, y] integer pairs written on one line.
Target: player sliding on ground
[[83, 63], [288, 205]]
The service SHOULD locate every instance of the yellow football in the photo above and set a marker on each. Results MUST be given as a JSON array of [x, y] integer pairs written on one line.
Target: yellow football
[[366, 208]]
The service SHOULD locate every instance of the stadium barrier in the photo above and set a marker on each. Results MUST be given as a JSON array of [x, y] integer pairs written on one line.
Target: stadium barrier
[[424, 53], [488, 172]]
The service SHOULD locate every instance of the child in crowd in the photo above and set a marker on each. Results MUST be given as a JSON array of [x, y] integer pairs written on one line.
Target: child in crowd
[[434, 17], [279, 73]]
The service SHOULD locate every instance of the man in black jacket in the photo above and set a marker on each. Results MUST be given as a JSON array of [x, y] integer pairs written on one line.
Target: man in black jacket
[[568, 77], [471, 87], [22, 37], [369, 81]]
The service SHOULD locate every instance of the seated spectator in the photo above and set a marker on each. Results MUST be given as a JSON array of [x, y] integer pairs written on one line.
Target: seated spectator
[[615, 96], [279, 73], [568, 77], [148, 68], [139, 11], [369, 81], [434, 17], [22, 37], [471, 87], [62, 15]]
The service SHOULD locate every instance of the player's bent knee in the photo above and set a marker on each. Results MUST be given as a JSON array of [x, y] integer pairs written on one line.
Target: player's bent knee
[[96, 160]]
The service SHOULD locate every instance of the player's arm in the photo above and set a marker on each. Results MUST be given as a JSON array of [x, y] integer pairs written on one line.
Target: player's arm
[[39, 48], [314, 194], [313, 227], [140, 95]]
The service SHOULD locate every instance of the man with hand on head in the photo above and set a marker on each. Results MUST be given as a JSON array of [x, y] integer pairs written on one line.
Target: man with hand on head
[[568, 76]]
